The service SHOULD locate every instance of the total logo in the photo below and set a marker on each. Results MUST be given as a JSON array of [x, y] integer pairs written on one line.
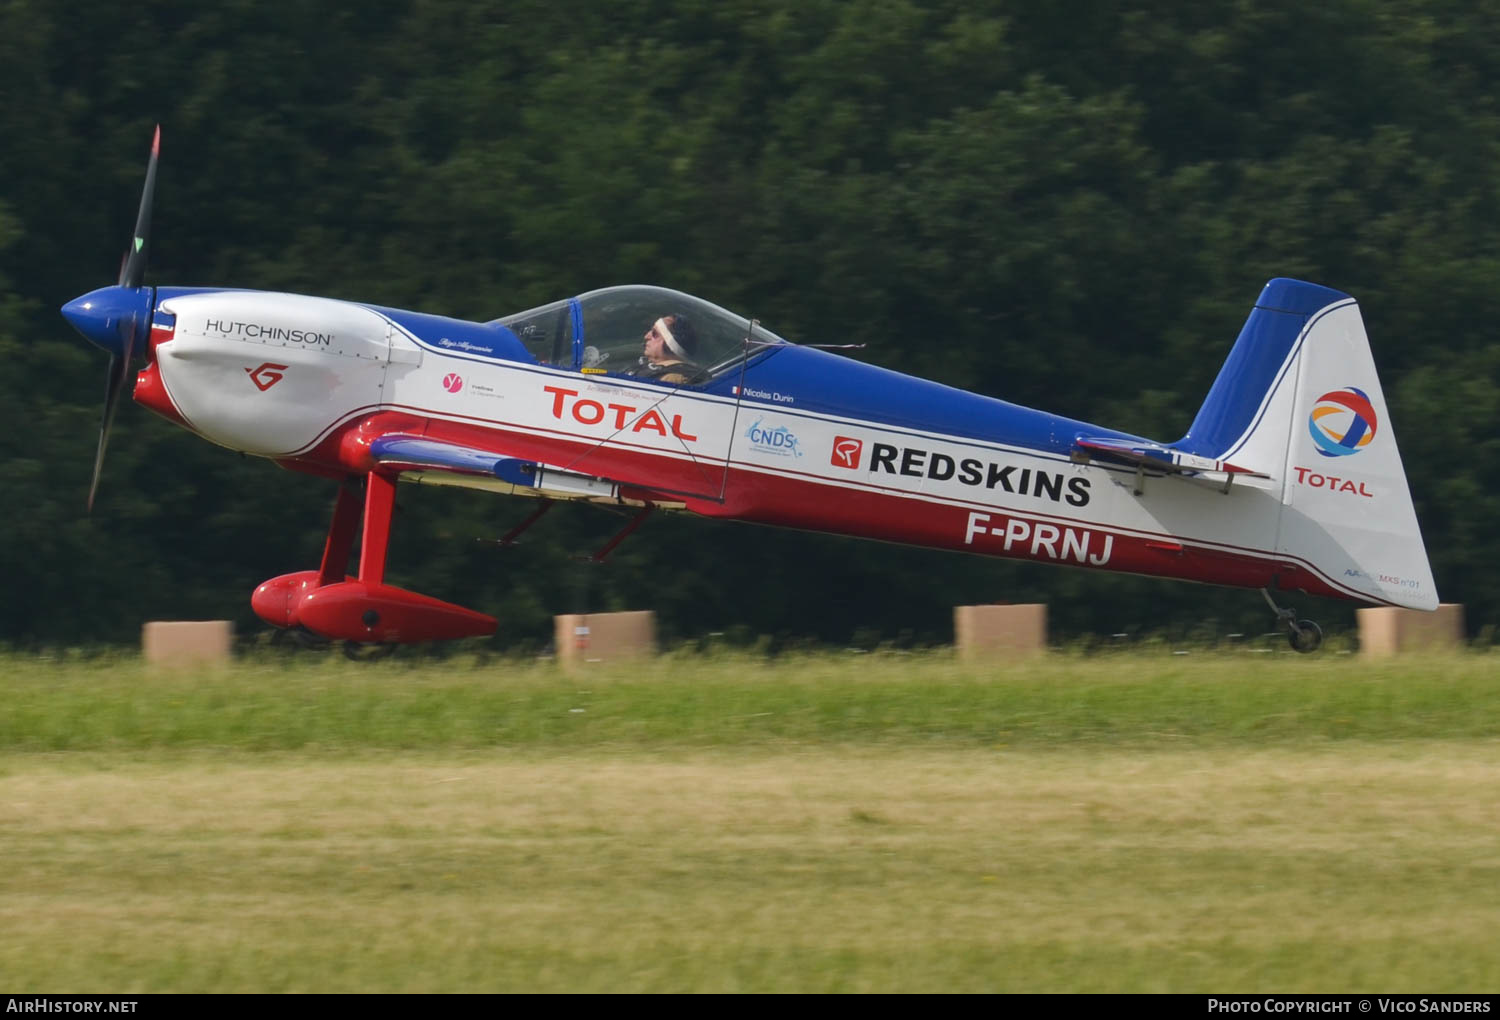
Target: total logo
[[1314, 480], [620, 417], [1342, 422], [266, 375]]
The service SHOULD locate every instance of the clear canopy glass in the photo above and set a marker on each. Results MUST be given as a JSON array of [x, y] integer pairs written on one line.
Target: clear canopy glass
[[606, 331]]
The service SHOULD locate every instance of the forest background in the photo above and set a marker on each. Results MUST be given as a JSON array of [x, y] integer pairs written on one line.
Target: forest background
[[1067, 205]]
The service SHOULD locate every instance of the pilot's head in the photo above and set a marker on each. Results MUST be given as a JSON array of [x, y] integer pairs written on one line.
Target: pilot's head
[[671, 338]]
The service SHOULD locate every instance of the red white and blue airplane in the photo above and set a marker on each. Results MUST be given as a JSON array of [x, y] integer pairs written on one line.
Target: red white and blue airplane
[[1289, 478]]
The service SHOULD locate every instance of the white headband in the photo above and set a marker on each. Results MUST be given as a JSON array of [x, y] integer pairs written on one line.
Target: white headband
[[666, 334]]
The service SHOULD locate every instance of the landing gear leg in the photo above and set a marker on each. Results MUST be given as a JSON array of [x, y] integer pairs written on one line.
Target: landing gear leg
[[340, 541], [1304, 635], [380, 500]]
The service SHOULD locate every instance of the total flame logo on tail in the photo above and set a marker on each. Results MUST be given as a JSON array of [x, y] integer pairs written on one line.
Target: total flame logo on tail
[[1342, 422]]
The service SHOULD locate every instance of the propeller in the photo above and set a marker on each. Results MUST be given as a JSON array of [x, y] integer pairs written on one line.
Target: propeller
[[117, 318]]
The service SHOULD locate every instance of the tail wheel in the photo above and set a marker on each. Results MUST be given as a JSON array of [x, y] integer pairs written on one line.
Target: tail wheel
[[1305, 636]]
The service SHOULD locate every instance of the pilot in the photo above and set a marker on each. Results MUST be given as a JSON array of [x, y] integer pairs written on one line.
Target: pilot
[[671, 343]]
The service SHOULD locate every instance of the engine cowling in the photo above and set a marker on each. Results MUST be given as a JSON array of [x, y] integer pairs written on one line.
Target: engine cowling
[[270, 374]]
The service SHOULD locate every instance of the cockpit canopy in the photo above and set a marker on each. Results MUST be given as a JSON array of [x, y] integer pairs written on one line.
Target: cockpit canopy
[[604, 331]]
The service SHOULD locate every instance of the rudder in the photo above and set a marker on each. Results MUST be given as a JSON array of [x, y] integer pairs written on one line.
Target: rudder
[[1299, 399]]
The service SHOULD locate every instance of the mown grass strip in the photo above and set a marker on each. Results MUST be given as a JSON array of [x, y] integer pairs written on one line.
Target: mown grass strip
[[1280, 870], [332, 706]]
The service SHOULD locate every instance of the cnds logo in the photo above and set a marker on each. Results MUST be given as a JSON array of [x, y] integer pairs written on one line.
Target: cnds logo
[[846, 452], [266, 375]]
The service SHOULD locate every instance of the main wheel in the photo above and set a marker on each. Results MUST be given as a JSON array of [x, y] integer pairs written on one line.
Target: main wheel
[[298, 637], [1305, 636], [366, 652]]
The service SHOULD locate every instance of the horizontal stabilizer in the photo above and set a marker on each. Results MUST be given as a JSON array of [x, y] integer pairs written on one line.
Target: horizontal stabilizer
[[1138, 453]]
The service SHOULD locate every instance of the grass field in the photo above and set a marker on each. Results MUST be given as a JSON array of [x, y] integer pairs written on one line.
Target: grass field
[[828, 823]]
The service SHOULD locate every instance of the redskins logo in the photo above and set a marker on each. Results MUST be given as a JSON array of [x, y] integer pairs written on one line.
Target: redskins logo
[[1342, 422], [846, 452]]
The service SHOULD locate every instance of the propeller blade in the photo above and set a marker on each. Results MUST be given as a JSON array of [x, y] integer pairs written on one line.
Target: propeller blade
[[115, 318], [134, 269], [119, 369], [114, 385]]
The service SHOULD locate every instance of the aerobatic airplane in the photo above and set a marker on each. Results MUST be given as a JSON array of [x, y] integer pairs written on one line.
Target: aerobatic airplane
[[1288, 480]]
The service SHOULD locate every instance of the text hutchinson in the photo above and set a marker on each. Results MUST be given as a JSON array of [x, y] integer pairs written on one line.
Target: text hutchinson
[[260, 331]]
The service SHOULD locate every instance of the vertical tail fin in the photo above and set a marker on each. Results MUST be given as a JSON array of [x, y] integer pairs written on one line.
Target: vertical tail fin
[[1299, 399]]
